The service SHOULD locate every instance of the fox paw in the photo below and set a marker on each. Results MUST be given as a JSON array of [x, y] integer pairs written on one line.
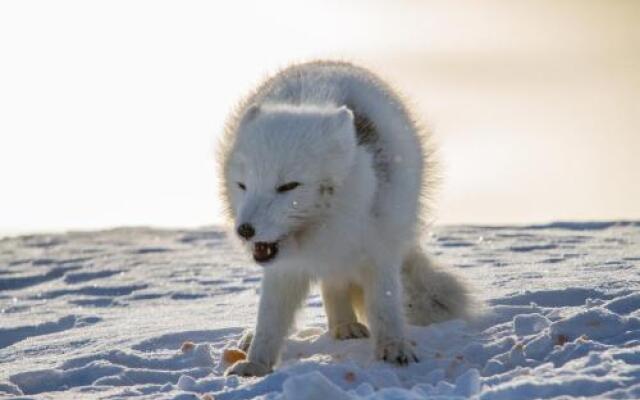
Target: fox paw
[[396, 352], [247, 368], [350, 330]]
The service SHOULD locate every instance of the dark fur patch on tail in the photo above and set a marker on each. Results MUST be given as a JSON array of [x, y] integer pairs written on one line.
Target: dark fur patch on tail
[[365, 130], [368, 137], [440, 304]]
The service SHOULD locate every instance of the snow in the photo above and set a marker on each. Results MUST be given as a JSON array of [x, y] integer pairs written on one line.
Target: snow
[[105, 315]]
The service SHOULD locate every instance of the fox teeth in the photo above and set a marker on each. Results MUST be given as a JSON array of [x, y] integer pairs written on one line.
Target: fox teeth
[[264, 251]]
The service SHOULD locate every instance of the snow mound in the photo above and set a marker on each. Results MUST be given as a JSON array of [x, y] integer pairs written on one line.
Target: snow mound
[[143, 313]]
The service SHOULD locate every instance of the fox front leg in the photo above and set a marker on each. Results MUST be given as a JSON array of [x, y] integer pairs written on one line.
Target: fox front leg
[[383, 298], [281, 296]]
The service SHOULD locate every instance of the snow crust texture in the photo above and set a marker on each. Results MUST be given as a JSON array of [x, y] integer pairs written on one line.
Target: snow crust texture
[[141, 313]]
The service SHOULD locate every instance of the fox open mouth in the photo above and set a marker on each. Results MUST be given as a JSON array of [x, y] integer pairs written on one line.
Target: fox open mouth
[[264, 252]]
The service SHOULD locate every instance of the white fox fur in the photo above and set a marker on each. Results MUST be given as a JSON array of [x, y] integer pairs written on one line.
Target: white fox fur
[[325, 174]]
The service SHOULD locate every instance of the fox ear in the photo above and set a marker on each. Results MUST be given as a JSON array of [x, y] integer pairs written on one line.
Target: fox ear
[[344, 126], [342, 145], [343, 133], [344, 116], [250, 113]]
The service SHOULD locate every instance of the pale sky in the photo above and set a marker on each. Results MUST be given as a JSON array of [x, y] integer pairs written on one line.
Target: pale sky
[[109, 111]]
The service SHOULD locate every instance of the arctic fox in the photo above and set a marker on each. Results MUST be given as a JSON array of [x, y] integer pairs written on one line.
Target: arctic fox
[[324, 176]]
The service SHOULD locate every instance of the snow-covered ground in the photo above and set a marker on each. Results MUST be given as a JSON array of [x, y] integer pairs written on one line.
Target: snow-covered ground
[[105, 315]]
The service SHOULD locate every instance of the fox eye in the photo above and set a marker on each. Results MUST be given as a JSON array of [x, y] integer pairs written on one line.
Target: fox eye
[[242, 186], [287, 186]]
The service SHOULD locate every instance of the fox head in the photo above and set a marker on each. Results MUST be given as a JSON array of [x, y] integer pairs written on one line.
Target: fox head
[[283, 171]]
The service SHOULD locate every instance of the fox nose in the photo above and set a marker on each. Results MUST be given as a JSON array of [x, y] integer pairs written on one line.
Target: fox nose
[[246, 231]]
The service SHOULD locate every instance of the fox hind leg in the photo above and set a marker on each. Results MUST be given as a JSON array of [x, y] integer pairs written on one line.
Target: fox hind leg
[[342, 319]]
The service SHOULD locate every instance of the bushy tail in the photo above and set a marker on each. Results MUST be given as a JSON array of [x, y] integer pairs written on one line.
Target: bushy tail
[[430, 293]]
